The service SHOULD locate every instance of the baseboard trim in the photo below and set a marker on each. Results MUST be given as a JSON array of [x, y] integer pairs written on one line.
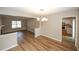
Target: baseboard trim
[[52, 38], [9, 47]]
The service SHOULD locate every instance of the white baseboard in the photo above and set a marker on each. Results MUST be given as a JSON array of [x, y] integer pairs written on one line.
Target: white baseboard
[[52, 38], [9, 47]]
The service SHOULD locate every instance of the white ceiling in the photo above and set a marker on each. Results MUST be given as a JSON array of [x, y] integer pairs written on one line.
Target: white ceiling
[[33, 11]]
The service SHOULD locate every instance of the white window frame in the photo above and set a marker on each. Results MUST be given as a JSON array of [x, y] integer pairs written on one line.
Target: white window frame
[[15, 24]]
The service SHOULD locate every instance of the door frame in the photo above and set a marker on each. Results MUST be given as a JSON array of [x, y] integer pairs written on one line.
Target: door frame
[[76, 18]]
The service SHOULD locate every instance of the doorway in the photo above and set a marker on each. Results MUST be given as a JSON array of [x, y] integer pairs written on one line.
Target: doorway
[[69, 30]]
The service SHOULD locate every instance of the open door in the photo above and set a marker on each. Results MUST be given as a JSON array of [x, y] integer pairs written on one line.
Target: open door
[[69, 30]]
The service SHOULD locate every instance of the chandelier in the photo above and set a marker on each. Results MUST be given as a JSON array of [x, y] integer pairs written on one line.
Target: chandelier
[[42, 18]]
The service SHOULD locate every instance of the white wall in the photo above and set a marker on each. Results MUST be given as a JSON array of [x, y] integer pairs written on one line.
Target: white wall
[[53, 27], [8, 41]]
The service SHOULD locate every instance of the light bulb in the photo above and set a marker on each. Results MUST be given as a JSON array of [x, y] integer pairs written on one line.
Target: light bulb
[[38, 19], [44, 19]]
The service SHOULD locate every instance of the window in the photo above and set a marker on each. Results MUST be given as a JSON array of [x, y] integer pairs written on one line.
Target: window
[[16, 24]]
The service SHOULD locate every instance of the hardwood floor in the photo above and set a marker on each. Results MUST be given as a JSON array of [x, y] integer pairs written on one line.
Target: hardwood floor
[[27, 42]]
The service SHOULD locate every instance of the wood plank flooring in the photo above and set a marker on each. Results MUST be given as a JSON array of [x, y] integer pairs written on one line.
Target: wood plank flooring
[[27, 42]]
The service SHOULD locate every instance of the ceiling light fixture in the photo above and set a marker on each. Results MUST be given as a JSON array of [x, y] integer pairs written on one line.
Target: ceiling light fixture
[[42, 18], [38, 19]]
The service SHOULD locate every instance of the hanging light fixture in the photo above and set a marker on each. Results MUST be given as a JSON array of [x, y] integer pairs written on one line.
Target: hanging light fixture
[[38, 19], [42, 18]]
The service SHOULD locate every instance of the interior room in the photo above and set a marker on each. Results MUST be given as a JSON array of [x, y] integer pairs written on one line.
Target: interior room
[[39, 29]]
